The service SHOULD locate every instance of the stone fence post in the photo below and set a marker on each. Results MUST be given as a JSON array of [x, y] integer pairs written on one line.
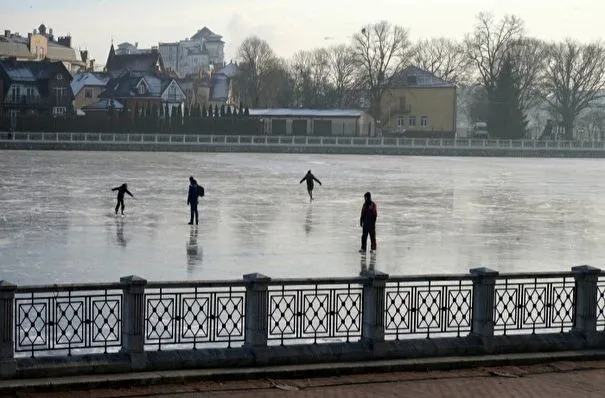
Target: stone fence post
[[8, 365], [257, 310], [133, 320], [484, 282], [585, 312], [373, 306]]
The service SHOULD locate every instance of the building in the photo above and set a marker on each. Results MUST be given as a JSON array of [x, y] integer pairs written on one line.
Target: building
[[222, 86], [198, 53], [144, 90], [319, 122], [87, 87], [128, 48], [419, 104], [118, 64], [34, 88], [41, 44]]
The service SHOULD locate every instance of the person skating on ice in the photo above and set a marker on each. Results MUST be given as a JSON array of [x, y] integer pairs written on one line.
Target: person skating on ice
[[310, 178], [367, 222], [122, 189], [192, 200]]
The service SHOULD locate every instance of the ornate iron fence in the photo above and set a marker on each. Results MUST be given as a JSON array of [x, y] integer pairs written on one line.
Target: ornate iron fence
[[314, 310], [428, 306], [134, 315], [601, 303], [194, 314], [534, 303], [69, 319]]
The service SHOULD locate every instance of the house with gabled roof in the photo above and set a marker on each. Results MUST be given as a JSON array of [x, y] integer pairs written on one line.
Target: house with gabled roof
[[145, 90], [87, 86], [417, 103], [117, 64], [34, 88]]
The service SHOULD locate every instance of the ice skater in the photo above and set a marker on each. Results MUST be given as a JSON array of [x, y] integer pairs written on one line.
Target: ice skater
[[122, 189], [192, 200], [309, 177], [367, 222]]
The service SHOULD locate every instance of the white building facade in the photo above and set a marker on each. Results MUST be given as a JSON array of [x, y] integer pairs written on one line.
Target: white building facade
[[205, 49]]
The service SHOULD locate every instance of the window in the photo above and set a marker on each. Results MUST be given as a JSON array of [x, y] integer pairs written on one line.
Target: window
[[400, 122], [59, 110], [59, 77], [411, 121], [88, 93], [15, 94], [141, 89], [60, 95], [424, 121]]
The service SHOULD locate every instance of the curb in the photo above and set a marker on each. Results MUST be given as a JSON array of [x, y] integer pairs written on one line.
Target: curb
[[292, 371]]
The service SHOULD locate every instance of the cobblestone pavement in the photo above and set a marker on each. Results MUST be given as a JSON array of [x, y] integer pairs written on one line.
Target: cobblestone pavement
[[560, 379]]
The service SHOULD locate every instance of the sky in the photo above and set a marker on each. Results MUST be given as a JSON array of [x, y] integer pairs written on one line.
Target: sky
[[287, 25]]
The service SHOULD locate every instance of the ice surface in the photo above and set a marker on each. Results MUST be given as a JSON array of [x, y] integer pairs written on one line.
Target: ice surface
[[436, 215]]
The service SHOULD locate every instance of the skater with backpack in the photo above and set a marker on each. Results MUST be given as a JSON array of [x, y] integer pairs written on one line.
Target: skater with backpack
[[195, 191]]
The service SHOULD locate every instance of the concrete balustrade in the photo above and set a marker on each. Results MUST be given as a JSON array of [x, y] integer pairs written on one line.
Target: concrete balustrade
[[296, 144]]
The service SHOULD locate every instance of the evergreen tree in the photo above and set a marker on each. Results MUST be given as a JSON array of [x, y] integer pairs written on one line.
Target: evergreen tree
[[241, 109], [223, 110], [247, 112], [204, 111], [166, 118], [506, 117], [216, 111], [137, 117], [228, 113], [154, 119], [124, 120]]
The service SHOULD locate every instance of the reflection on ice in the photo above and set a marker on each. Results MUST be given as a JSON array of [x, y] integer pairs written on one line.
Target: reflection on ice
[[436, 215]]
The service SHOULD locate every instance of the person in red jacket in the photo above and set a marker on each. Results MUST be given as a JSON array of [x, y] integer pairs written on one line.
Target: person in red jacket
[[367, 222]]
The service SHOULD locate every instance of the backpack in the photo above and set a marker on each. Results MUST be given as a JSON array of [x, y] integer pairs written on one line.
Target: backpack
[[200, 190]]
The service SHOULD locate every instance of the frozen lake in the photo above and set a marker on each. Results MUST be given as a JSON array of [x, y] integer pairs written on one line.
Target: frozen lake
[[436, 215]]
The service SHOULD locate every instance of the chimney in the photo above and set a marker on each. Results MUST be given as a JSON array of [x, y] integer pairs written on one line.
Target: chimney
[[136, 44], [64, 41], [12, 61], [7, 32], [84, 55], [29, 38]]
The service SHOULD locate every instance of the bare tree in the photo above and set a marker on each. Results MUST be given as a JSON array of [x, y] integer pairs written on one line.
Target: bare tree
[[528, 57], [444, 58], [381, 51], [342, 73], [575, 78], [490, 43], [257, 60], [311, 71]]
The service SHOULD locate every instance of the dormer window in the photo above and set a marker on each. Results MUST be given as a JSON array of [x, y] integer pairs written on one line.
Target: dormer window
[[141, 89], [59, 77]]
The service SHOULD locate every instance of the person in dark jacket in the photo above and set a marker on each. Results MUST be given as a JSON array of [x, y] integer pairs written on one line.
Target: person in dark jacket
[[367, 222], [192, 200], [309, 177], [122, 189]]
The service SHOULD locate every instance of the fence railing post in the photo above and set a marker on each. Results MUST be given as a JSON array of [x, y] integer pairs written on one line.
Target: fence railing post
[[257, 310], [585, 311], [484, 285], [8, 366], [373, 306], [133, 320]]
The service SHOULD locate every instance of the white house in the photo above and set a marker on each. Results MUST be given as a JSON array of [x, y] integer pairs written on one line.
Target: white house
[[198, 53]]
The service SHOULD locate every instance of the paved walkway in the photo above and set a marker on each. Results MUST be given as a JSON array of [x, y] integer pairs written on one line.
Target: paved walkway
[[559, 379]]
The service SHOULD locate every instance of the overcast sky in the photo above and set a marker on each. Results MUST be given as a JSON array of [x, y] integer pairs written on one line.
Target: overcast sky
[[286, 24]]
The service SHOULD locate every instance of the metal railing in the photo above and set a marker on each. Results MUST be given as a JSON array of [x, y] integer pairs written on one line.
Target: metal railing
[[268, 140], [134, 315]]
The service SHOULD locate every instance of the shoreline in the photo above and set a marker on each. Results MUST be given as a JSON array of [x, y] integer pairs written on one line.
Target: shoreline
[[306, 149]]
